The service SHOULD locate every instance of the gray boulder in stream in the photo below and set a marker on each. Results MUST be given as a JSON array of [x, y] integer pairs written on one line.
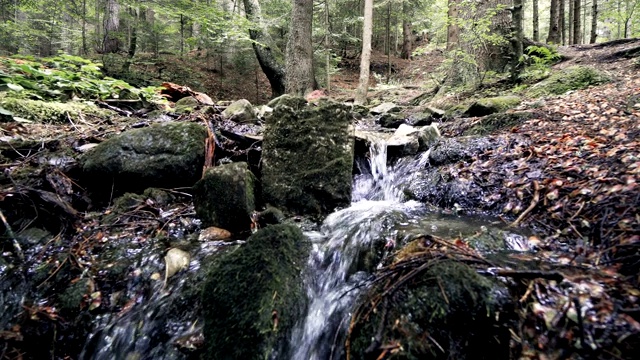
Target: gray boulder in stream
[[254, 295], [307, 158], [224, 197], [161, 155]]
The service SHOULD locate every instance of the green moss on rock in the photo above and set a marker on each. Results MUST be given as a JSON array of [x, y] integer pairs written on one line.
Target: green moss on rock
[[499, 121], [492, 105], [308, 157], [51, 111], [447, 312], [253, 296], [163, 155], [570, 78], [224, 197]]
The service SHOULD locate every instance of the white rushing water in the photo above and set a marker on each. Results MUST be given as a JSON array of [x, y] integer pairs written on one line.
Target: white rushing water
[[333, 277]]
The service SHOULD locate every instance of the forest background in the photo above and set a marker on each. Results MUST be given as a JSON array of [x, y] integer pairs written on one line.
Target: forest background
[[147, 42]]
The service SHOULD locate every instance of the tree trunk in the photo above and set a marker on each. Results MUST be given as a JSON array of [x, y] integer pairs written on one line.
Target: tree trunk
[[563, 22], [327, 47], [517, 38], [554, 23], [269, 55], [365, 57], [299, 59], [111, 42], [570, 22], [576, 21], [536, 22], [594, 22], [453, 30], [407, 31]]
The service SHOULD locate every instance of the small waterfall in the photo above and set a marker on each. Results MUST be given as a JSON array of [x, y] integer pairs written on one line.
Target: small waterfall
[[332, 274]]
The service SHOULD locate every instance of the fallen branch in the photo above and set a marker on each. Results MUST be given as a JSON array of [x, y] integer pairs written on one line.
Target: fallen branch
[[534, 202]]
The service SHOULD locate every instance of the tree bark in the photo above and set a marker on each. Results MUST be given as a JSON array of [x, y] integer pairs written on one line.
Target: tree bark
[[269, 55], [453, 30], [365, 57], [562, 22], [407, 31], [554, 22], [111, 42], [594, 22], [576, 21], [299, 59], [536, 22], [517, 38]]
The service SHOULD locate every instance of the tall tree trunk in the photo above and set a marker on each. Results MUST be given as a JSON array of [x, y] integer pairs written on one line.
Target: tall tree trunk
[[576, 21], [365, 57], [407, 31], [269, 55], [536, 22], [453, 30], [517, 38], [563, 22], [327, 44], [111, 43], [554, 23], [570, 22], [594, 22], [299, 59], [85, 49]]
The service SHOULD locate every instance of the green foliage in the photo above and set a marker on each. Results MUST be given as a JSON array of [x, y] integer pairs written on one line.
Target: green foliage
[[65, 77], [541, 55]]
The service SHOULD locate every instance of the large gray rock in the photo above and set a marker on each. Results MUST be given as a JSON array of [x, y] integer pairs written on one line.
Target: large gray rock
[[241, 111], [488, 106], [224, 197], [162, 155], [307, 158], [253, 297], [384, 108]]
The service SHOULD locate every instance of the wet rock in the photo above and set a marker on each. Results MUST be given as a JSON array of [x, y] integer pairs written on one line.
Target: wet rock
[[451, 312], [162, 155], [240, 111], [224, 197], [420, 119], [384, 108], [570, 78], [253, 296], [487, 106], [451, 150], [428, 136], [390, 121], [262, 111], [307, 157], [405, 139]]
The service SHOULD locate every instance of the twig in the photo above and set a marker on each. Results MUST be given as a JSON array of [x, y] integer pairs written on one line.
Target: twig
[[534, 202], [16, 245]]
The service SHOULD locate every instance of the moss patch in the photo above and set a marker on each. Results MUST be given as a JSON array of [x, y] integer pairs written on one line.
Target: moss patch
[[495, 122], [254, 295], [570, 78], [51, 111], [487, 106], [447, 312]]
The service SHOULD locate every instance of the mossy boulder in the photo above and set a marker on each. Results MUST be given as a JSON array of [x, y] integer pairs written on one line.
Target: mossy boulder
[[51, 111], [241, 111], [492, 105], [224, 197], [499, 121], [162, 155], [186, 105], [570, 78], [253, 296], [447, 311], [307, 158], [390, 120]]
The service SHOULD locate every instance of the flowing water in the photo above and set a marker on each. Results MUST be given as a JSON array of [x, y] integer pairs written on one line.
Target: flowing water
[[348, 247]]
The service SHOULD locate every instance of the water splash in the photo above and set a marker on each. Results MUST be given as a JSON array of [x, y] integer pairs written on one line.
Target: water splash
[[333, 276]]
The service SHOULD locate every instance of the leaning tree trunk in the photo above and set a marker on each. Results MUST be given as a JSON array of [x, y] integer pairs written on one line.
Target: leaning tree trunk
[[299, 60], [365, 57], [269, 55]]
